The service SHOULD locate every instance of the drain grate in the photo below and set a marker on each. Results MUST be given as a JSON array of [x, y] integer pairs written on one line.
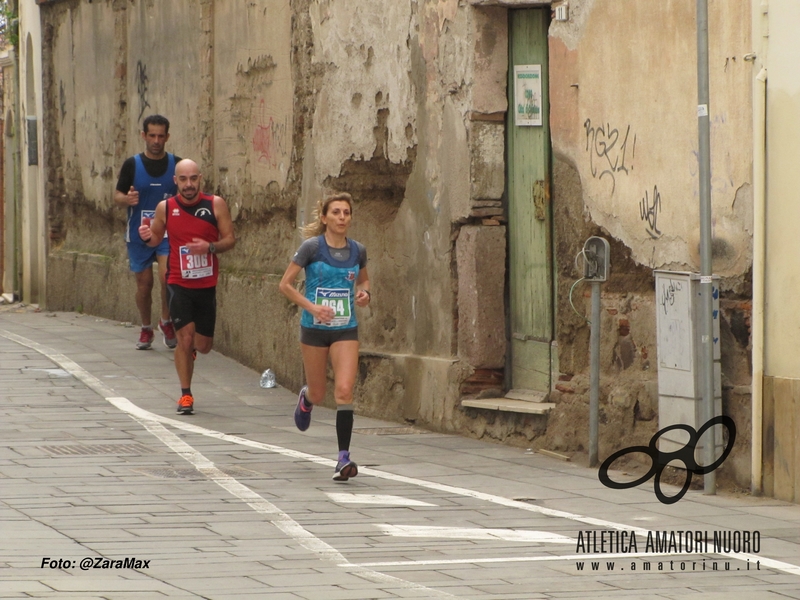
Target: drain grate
[[388, 430], [95, 449], [194, 474]]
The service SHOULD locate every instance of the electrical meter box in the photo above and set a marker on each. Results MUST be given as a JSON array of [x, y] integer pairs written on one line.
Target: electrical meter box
[[679, 324], [596, 259]]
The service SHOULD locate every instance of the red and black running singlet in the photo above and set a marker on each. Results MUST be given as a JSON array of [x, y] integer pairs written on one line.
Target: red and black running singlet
[[184, 223]]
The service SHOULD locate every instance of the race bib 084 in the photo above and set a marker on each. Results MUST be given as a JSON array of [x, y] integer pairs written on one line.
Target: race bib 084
[[339, 300], [195, 266]]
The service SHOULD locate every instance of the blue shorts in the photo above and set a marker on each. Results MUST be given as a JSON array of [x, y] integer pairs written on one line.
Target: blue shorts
[[141, 256]]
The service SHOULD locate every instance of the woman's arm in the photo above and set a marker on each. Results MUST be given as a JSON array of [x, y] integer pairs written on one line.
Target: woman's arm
[[363, 295], [286, 286]]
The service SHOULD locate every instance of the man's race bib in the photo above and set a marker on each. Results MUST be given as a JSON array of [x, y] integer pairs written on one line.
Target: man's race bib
[[147, 218], [195, 266], [339, 300]]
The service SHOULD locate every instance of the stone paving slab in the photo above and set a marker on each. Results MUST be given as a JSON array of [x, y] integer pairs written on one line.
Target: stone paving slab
[[261, 522]]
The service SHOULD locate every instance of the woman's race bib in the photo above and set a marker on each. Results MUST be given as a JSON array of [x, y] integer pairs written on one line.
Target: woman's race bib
[[339, 300]]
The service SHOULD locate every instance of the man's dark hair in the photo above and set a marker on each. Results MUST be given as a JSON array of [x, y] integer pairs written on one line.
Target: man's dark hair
[[156, 120]]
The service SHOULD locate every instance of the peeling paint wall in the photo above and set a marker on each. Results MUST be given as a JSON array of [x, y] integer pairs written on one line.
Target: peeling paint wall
[[624, 98], [253, 99], [366, 53], [624, 132], [279, 103], [86, 106]]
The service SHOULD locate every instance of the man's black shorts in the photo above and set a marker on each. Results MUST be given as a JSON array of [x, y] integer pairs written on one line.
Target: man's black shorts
[[189, 305]]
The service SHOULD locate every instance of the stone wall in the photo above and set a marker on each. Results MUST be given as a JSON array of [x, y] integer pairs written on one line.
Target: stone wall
[[278, 103]]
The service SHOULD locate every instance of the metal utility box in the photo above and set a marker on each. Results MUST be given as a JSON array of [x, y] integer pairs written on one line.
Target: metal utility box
[[596, 259], [679, 324]]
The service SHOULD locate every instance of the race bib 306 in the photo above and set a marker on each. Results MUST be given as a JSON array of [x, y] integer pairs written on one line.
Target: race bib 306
[[195, 266]]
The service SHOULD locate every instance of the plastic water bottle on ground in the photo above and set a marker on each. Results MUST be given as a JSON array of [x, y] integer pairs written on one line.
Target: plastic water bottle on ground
[[268, 379]]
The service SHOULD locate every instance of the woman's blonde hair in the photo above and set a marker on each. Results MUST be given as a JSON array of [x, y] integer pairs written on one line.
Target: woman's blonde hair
[[317, 227]]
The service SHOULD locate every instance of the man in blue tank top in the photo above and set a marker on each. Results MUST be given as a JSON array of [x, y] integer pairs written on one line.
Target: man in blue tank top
[[145, 180]]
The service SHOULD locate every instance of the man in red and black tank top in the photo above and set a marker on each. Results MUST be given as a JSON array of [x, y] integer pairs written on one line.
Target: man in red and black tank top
[[186, 223], [199, 227]]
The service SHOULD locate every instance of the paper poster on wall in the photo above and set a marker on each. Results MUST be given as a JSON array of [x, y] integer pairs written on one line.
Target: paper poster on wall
[[528, 95]]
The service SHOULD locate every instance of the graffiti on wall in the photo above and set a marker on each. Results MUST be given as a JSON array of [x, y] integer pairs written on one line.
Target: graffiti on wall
[[271, 137], [649, 209], [610, 151], [141, 87]]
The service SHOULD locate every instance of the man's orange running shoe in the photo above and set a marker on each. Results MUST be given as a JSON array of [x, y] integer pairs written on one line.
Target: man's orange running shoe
[[185, 405]]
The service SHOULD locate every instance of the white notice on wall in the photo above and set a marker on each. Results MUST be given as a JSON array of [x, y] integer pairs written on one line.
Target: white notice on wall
[[528, 95]]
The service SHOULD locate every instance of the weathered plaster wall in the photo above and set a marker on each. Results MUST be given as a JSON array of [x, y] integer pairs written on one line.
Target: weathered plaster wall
[[624, 134], [624, 98], [82, 111], [253, 99], [219, 92], [365, 49], [169, 46], [86, 104], [279, 103], [403, 105], [97, 109]]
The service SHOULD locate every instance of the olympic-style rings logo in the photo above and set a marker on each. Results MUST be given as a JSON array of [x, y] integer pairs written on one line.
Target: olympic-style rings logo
[[661, 459]]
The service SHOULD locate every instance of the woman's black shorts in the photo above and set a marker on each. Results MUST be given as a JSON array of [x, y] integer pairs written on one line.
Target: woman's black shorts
[[325, 338]]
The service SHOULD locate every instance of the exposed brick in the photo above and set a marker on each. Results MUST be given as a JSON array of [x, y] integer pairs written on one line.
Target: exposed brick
[[624, 327]]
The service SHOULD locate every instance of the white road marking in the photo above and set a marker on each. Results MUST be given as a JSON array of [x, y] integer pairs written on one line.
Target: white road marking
[[276, 516], [95, 384], [475, 533], [55, 372], [376, 499]]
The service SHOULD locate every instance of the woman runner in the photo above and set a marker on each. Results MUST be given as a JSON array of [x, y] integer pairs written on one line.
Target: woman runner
[[336, 282]]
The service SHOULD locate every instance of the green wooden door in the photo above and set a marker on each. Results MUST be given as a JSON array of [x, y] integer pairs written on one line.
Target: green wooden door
[[529, 218]]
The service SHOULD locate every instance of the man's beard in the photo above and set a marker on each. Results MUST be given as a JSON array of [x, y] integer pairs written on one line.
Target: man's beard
[[189, 194]]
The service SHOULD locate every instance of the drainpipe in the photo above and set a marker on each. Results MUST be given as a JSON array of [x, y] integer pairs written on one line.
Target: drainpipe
[[759, 250], [759, 264]]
